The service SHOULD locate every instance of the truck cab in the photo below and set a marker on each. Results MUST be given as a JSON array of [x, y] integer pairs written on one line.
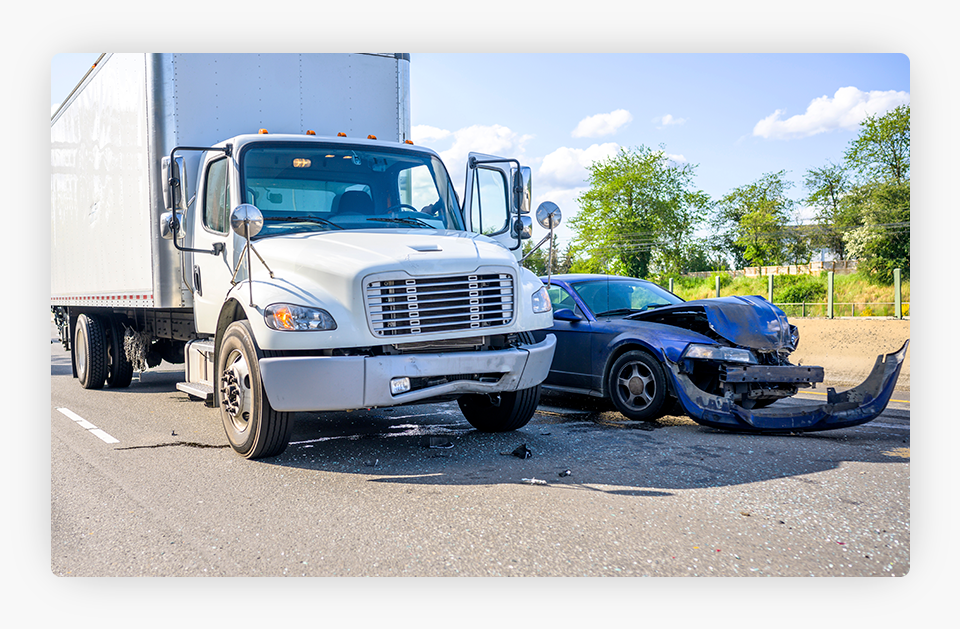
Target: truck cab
[[359, 281]]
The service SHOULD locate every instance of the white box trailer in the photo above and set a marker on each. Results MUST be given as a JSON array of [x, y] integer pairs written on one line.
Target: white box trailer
[[266, 219]]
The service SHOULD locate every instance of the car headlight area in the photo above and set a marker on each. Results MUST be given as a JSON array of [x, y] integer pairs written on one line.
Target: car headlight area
[[720, 353]]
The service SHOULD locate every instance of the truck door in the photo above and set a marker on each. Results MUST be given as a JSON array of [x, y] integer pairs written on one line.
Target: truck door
[[496, 193], [210, 274]]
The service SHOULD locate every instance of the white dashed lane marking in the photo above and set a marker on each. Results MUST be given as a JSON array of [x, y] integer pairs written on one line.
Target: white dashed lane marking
[[88, 426]]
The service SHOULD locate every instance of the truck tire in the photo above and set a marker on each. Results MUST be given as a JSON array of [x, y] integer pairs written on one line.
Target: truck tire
[[90, 353], [501, 412], [119, 367], [253, 428]]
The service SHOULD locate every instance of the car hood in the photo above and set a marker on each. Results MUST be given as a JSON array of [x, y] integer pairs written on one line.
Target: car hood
[[747, 321]]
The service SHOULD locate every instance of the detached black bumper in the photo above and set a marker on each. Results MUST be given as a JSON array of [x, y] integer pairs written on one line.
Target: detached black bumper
[[848, 408]]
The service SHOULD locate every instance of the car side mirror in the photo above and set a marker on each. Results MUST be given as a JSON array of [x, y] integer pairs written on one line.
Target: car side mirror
[[565, 314]]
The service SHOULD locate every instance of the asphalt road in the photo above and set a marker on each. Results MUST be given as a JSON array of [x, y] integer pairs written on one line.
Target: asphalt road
[[143, 483]]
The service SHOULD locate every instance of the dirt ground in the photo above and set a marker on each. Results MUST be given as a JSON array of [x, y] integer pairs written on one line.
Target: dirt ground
[[847, 348]]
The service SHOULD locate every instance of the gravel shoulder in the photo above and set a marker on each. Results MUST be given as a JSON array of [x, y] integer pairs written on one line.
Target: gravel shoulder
[[847, 348]]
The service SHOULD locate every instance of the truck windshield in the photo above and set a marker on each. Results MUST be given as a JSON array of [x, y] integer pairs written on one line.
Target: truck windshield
[[324, 187]]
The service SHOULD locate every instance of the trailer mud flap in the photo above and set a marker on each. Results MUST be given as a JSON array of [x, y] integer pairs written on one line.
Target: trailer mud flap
[[847, 408]]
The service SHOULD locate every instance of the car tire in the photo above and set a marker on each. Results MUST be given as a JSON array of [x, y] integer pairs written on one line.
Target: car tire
[[637, 387]]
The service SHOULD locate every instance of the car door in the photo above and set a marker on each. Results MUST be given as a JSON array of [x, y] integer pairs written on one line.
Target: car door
[[572, 359]]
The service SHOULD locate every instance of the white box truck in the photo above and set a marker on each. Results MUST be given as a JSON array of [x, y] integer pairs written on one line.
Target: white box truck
[[266, 220]]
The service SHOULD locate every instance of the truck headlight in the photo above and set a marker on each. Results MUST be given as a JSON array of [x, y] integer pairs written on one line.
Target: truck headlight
[[541, 300], [718, 352], [290, 317]]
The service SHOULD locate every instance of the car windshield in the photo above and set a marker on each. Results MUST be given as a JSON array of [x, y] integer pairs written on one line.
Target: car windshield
[[320, 187], [617, 297]]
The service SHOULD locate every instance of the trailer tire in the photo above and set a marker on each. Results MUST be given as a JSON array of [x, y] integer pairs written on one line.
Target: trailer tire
[[90, 353], [254, 429], [119, 367]]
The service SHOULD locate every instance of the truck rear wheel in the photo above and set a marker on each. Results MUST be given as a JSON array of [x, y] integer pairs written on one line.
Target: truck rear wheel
[[253, 428], [119, 367], [89, 351]]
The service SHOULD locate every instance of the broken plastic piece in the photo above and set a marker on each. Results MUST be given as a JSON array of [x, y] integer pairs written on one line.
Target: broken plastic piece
[[533, 481], [522, 452]]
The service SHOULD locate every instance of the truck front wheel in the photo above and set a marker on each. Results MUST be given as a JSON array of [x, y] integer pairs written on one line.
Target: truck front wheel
[[501, 412], [253, 428]]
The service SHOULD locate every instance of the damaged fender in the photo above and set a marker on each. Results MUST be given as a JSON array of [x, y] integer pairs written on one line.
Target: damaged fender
[[847, 408]]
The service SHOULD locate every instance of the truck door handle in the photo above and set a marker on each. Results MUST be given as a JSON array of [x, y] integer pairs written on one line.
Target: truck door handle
[[196, 281]]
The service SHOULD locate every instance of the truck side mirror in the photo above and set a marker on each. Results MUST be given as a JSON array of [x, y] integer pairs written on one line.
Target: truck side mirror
[[522, 189], [174, 180], [523, 227], [246, 220]]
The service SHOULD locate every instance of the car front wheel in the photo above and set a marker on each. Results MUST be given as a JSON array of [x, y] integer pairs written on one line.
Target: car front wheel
[[637, 386]]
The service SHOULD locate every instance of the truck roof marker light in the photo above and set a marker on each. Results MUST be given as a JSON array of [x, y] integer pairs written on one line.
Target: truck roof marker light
[[371, 137], [311, 132], [263, 132], [408, 141], [341, 135]]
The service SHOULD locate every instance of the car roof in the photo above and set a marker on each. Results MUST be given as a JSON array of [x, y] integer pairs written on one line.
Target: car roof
[[573, 278]]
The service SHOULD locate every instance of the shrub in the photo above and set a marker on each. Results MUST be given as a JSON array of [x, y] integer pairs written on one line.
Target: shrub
[[794, 289]]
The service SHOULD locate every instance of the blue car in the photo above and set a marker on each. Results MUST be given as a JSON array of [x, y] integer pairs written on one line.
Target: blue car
[[724, 360]]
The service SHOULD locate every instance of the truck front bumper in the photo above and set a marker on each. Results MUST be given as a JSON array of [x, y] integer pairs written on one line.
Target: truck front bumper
[[334, 383], [846, 408]]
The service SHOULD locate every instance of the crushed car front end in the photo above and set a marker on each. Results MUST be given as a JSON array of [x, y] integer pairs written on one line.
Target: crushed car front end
[[729, 382]]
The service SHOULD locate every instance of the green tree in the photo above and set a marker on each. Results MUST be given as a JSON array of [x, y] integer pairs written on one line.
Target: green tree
[[880, 156], [828, 190], [752, 221], [881, 150], [638, 216]]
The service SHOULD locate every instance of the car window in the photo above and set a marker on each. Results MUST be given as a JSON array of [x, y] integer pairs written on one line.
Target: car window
[[622, 296], [560, 298]]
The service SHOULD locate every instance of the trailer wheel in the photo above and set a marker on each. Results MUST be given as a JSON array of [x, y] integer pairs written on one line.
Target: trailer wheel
[[501, 412], [119, 367], [253, 428], [90, 352]]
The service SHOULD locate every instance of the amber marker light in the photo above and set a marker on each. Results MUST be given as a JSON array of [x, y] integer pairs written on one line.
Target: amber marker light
[[263, 132], [311, 132], [371, 137], [341, 135], [284, 318]]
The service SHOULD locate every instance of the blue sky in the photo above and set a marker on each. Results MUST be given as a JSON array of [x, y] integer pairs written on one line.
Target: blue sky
[[735, 116]]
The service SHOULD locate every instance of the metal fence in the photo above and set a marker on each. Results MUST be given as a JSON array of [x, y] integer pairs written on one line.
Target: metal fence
[[845, 309]]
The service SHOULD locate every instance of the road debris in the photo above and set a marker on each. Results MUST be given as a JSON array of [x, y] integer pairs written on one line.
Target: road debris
[[522, 452], [533, 481], [565, 473]]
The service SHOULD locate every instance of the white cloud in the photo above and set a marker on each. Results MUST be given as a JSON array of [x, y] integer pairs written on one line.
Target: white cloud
[[492, 140], [667, 120], [425, 134], [602, 124], [844, 110], [567, 167]]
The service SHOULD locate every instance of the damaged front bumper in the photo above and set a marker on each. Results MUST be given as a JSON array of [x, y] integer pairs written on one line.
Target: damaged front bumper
[[847, 408]]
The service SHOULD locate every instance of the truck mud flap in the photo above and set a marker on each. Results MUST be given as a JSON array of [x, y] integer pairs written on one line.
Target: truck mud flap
[[847, 408]]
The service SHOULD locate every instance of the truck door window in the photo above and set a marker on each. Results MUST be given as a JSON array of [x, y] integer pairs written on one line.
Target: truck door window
[[216, 202], [489, 208]]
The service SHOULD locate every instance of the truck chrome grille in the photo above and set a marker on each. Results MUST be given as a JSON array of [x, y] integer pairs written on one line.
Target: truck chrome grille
[[399, 305]]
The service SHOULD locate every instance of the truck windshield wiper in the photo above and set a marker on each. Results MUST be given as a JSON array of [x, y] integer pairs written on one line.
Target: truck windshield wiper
[[404, 221], [302, 219]]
